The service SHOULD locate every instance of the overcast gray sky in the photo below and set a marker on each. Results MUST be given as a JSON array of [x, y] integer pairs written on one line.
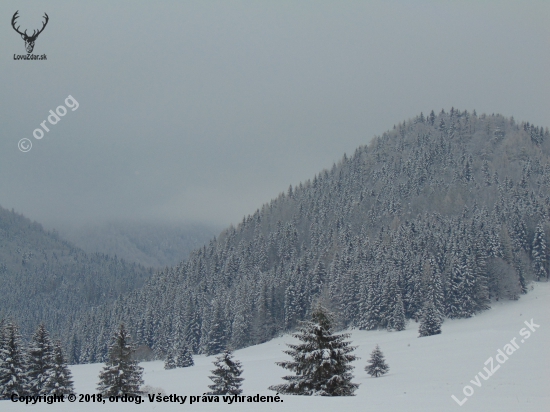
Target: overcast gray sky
[[204, 110]]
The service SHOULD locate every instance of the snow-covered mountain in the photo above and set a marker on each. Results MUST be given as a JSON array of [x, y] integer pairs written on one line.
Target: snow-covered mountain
[[450, 210]]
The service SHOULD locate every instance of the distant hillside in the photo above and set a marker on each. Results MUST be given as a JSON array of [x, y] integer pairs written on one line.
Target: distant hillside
[[149, 244], [46, 279], [450, 210]]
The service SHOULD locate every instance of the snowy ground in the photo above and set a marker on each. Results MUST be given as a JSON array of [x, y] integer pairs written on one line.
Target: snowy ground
[[424, 372]]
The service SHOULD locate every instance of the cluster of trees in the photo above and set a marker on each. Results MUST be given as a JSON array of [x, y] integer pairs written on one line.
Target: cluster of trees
[[435, 218], [122, 374], [321, 363], [179, 356], [38, 368]]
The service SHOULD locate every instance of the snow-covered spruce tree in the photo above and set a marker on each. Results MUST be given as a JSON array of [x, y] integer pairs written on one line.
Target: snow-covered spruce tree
[[370, 306], [184, 358], [217, 334], [60, 378], [192, 328], [170, 361], [460, 303], [321, 362], [226, 376], [394, 316], [434, 287], [121, 374], [39, 361], [431, 321], [538, 253], [377, 365], [399, 321], [13, 364]]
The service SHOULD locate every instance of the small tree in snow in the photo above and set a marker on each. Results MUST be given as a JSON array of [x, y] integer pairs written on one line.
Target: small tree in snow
[[170, 361], [431, 321], [184, 358], [377, 365], [121, 374], [321, 362], [227, 380]]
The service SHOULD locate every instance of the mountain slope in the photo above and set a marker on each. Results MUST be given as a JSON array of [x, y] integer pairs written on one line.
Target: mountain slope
[[450, 209], [46, 279]]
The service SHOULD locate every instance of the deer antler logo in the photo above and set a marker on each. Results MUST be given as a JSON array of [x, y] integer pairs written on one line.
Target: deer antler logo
[[29, 40]]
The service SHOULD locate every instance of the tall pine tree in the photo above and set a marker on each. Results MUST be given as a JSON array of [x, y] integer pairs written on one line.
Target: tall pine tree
[[539, 253], [121, 374], [13, 364], [59, 379], [40, 361]]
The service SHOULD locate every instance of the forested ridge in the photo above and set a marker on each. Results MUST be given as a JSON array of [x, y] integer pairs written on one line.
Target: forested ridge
[[448, 210], [45, 279]]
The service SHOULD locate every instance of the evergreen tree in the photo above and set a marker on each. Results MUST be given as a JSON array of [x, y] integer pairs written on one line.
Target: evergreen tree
[[74, 350], [192, 329], [217, 335], [13, 364], [170, 361], [370, 306], [227, 380], [431, 321], [459, 301], [539, 253], [377, 365], [121, 374], [59, 379], [434, 288], [40, 361], [398, 321], [321, 362], [184, 358], [262, 322]]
